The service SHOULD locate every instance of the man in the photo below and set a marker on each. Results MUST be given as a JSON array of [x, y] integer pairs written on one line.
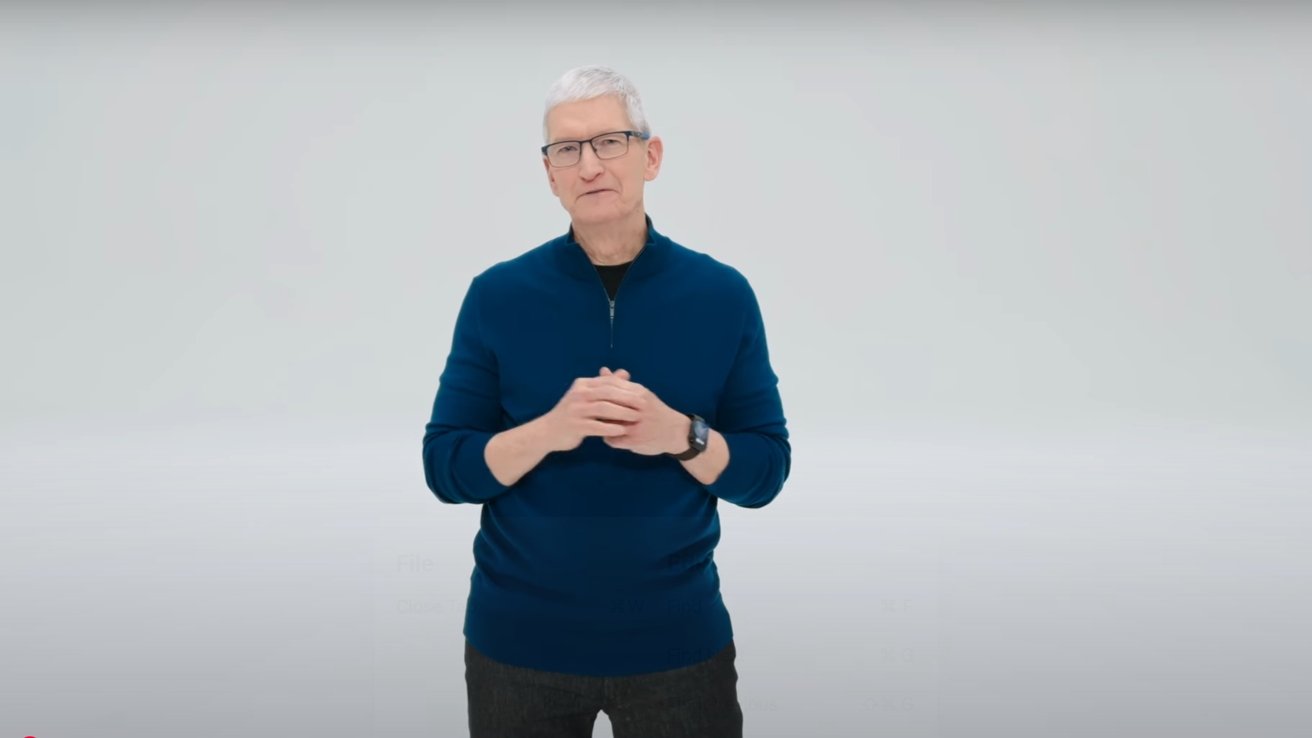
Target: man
[[603, 392]]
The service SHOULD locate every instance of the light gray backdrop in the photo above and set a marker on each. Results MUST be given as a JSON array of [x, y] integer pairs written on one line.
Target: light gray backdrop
[[1035, 279]]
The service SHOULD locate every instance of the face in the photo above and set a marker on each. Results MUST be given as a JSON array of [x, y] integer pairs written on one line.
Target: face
[[621, 178]]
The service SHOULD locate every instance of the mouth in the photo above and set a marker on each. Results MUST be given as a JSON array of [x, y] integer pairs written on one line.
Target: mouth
[[595, 192]]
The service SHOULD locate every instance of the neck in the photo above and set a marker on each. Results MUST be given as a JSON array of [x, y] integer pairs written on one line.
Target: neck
[[613, 243]]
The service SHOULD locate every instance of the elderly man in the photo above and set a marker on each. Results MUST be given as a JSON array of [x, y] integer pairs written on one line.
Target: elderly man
[[604, 391]]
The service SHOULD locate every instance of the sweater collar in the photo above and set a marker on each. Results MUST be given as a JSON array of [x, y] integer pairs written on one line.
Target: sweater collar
[[573, 259]]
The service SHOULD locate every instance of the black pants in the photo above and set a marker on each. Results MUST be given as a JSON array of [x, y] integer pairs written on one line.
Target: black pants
[[508, 701]]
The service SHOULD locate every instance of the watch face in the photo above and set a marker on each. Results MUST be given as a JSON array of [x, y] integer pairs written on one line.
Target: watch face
[[699, 433]]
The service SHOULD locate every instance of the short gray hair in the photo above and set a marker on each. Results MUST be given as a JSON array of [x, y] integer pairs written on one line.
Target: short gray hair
[[595, 80]]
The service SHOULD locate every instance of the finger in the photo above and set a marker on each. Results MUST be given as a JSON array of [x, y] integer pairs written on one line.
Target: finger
[[626, 397], [602, 428], [614, 411]]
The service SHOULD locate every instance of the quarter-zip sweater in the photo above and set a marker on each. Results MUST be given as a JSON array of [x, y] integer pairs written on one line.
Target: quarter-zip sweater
[[599, 561]]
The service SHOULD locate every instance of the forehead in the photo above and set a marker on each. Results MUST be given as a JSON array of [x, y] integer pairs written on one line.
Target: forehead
[[586, 118]]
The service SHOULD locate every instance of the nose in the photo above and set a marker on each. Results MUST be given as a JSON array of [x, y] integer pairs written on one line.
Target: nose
[[589, 163]]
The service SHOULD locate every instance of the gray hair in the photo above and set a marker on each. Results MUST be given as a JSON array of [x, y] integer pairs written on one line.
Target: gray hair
[[594, 80]]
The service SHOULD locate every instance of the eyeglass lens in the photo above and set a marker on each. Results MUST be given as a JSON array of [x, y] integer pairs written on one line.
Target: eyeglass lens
[[608, 146]]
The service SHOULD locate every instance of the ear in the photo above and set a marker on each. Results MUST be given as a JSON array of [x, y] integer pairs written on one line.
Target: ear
[[551, 178], [655, 153]]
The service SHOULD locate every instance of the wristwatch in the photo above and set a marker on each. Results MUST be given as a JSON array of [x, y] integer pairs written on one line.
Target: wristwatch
[[698, 433]]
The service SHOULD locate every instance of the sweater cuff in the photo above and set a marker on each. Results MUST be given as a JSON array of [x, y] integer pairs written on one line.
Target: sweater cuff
[[750, 479], [482, 485]]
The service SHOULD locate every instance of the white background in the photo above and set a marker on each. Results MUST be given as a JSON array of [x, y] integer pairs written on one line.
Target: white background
[[1035, 280]]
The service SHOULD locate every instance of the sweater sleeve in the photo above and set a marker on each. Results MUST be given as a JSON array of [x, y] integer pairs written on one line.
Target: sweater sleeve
[[466, 414], [750, 417]]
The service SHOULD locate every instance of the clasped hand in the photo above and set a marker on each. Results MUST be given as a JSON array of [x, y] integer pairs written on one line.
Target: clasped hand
[[625, 414]]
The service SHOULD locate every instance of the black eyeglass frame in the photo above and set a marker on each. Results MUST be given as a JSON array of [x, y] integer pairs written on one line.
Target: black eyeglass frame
[[592, 142]]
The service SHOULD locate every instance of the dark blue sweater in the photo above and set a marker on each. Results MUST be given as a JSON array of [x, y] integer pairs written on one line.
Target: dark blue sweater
[[598, 561]]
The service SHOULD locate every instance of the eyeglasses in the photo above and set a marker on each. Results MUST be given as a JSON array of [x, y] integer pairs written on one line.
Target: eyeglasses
[[606, 146]]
